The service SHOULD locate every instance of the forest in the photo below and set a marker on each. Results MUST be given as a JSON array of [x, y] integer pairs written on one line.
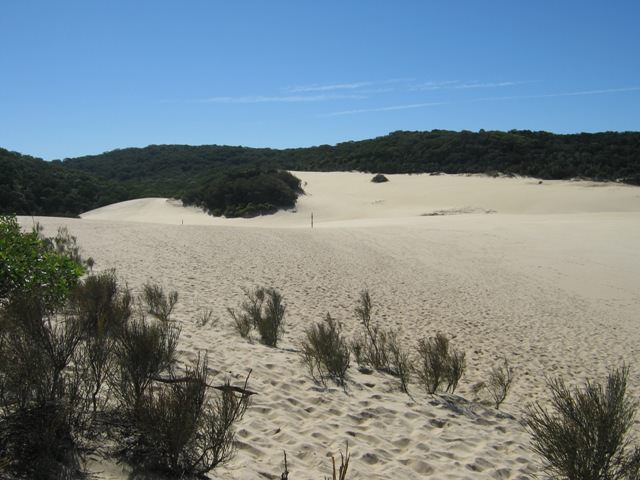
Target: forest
[[70, 186]]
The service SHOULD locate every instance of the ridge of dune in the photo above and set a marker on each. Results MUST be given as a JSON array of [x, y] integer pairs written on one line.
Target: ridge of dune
[[350, 198]]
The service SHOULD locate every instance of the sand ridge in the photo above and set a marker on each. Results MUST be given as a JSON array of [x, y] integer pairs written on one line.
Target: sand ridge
[[551, 284]]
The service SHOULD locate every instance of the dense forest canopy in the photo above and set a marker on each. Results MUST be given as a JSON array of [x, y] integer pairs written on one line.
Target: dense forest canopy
[[68, 187]]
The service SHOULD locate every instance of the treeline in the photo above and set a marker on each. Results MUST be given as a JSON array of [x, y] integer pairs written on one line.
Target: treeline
[[31, 186], [71, 186], [599, 156]]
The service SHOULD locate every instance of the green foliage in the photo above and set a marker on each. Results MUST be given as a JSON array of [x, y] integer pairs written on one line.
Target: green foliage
[[325, 351], [584, 437], [246, 193], [30, 263]]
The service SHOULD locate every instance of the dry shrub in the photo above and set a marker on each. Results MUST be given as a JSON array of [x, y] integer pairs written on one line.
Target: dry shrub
[[500, 381], [439, 363], [144, 350], [378, 348], [585, 435], [325, 351], [42, 400], [157, 302], [182, 430], [264, 310]]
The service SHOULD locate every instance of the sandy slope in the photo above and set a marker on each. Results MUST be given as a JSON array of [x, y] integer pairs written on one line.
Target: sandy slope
[[550, 280]]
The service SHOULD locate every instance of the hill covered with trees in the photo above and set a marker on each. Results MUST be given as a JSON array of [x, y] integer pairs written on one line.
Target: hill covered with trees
[[201, 174]]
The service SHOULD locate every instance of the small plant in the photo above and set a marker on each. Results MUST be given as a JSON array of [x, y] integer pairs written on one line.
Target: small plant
[[262, 309], [499, 384], [204, 317], [158, 303], [455, 369], [399, 362], [341, 473], [378, 348], [438, 363], [584, 437], [325, 351]]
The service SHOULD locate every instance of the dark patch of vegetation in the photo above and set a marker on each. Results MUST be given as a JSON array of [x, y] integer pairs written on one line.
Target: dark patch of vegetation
[[585, 435], [31, 186], [246, 193], [379, 178]]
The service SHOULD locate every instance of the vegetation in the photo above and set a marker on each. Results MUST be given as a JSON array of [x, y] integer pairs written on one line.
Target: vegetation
[[379, 348], [585, 436], [246, 193], [499, 384], [438, 363], [325, 351], [66, 345], [30, 186], [262, 309]]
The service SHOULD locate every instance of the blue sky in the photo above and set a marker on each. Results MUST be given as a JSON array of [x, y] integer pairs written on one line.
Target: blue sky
[[83, 77]]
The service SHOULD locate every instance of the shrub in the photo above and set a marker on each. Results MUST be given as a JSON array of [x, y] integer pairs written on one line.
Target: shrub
[[379, 348], [182, 431], [438, 363], [42, 399], [144, 351], [371, 347], [325, 351], [499, 384], [30, 264], [399, 362], [263, 309], [584, 437], [158, 303]]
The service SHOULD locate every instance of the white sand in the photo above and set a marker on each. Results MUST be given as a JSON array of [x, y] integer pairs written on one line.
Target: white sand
[[550, 280]]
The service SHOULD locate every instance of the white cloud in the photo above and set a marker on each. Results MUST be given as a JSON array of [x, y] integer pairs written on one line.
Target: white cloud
[[384, 109], [279, 99], [327, 88], [561, 94]]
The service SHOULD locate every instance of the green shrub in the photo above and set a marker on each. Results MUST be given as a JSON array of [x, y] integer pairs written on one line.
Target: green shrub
[[585, 435], [325, 351]]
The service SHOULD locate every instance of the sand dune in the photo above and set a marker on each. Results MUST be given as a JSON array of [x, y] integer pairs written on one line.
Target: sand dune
[[352, 197], [549, 280]]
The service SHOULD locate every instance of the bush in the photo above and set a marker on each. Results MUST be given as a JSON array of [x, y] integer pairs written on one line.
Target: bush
[[499, 384], [144, 351], [378, 348], [29, 263], [263, 309], [42, 398], [371, 348], [325, 351], [438, 363], [182, 431], [584, 437], [158, 303]]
